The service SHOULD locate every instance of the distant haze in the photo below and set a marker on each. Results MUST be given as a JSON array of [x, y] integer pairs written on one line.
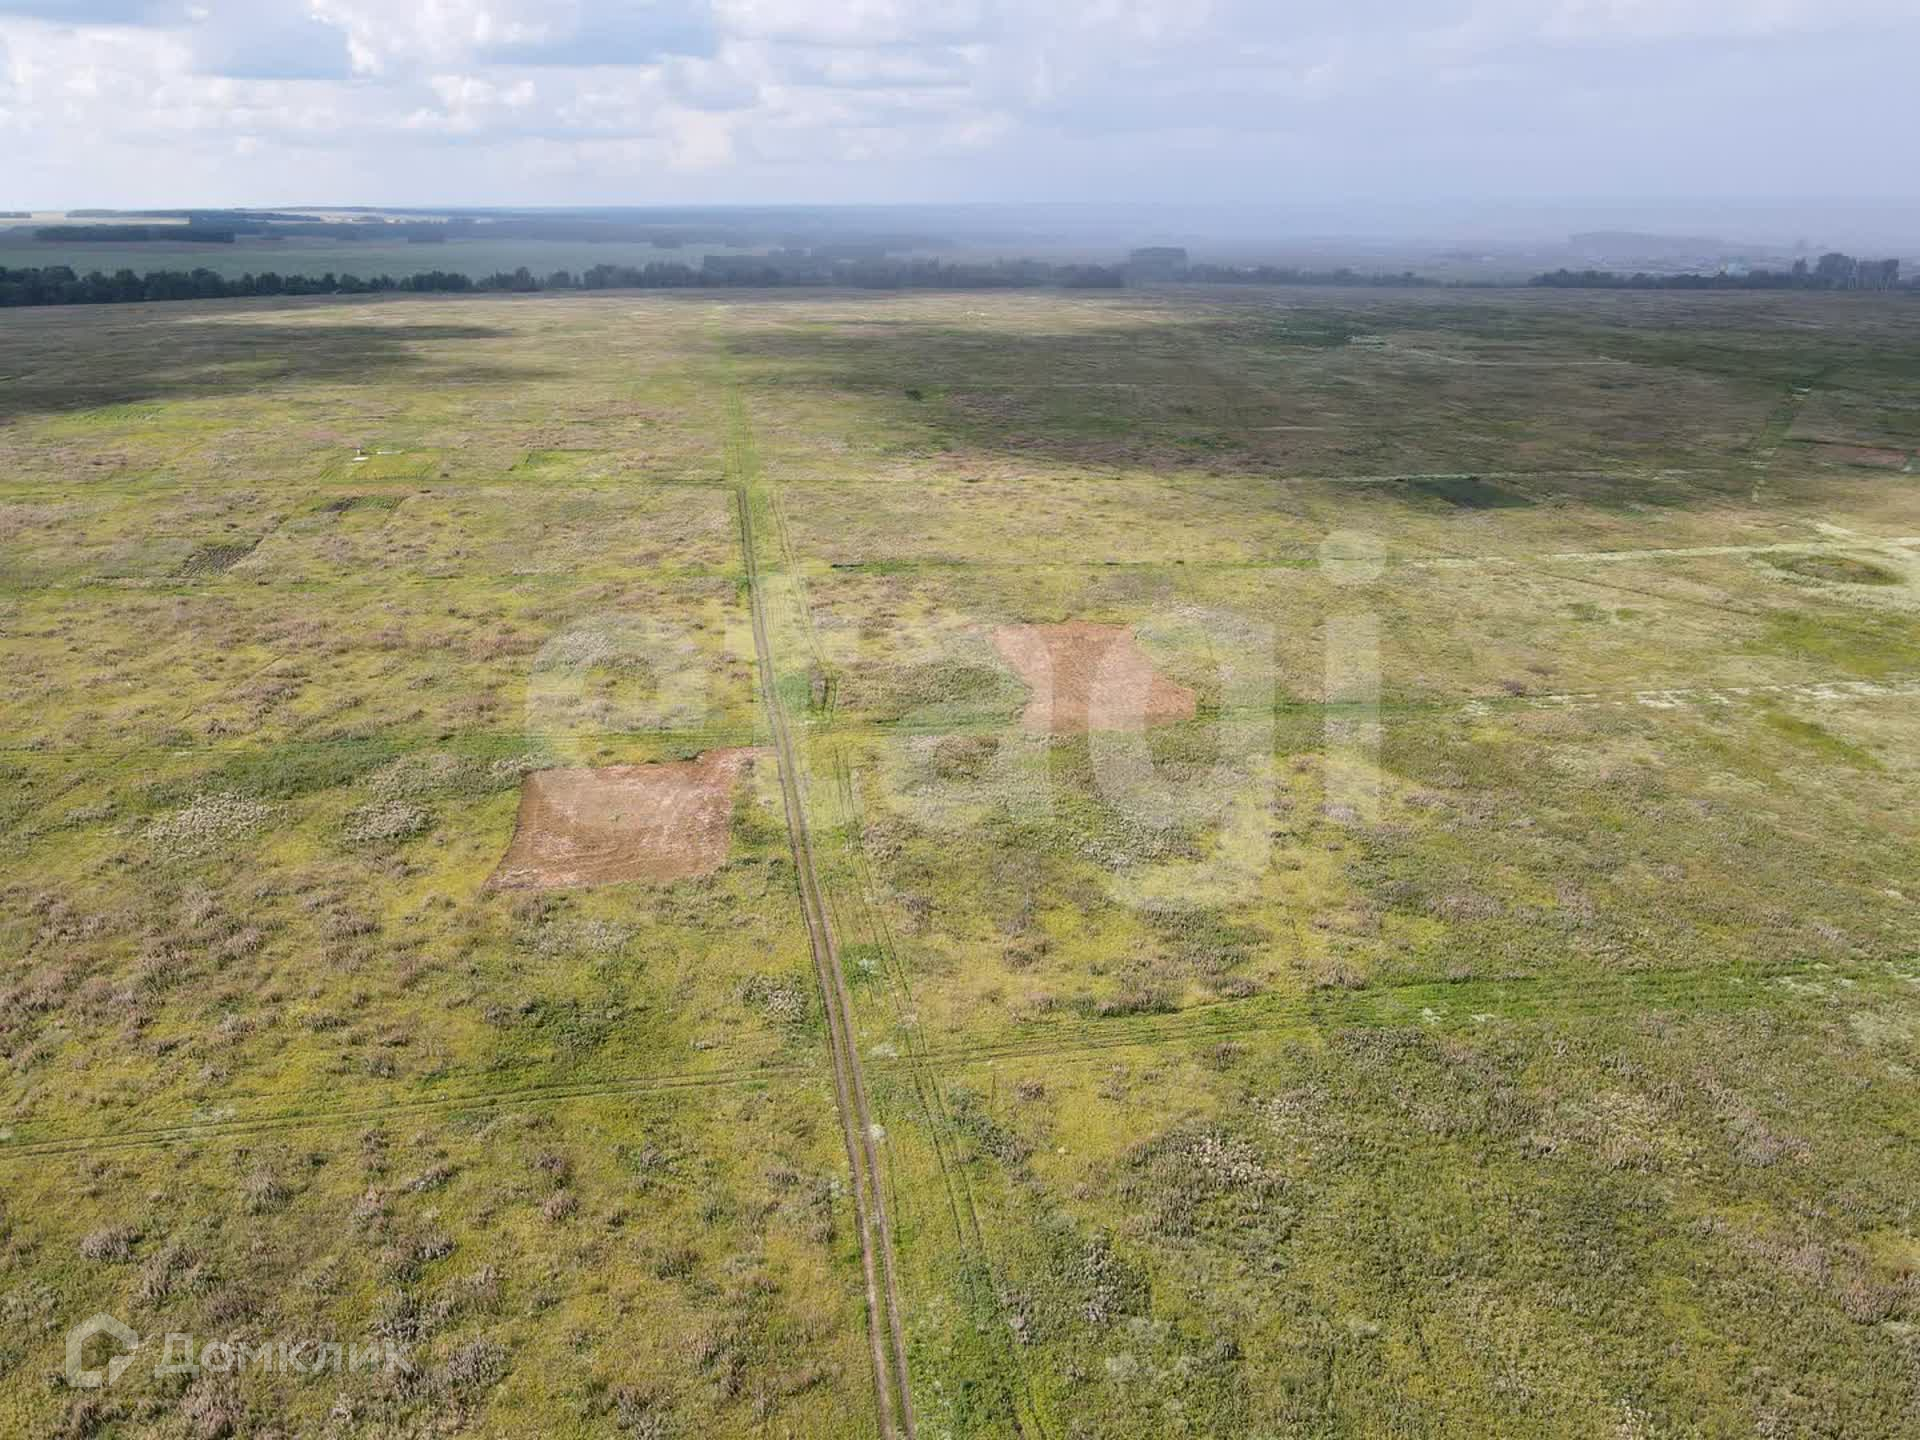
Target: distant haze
[[1765, 120]]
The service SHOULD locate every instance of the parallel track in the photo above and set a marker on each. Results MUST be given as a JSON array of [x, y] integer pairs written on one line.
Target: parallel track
[[886, 1329]]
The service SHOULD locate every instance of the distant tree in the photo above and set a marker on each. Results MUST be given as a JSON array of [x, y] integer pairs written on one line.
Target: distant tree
[[1836, 270]]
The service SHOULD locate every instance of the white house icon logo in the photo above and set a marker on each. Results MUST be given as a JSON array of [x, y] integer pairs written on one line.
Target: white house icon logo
[[78, 1375]]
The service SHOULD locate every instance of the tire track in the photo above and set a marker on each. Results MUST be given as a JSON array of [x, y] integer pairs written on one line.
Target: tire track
[[188, 1131], [1436, 1003], [886, 1328], [941, 1127], [1469, 1002]]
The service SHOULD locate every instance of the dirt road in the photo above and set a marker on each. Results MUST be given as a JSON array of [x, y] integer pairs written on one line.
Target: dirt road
[[886, 1329]]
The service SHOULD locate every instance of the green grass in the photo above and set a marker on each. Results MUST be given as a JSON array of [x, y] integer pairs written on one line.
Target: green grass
[[1838, 569], [1543, 1063]]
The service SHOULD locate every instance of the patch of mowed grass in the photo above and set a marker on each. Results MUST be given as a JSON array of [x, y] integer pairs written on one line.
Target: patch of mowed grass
[[1469, 492], [954, 690], [214, 559], [387, 464], [1595, 843], [1822, 741], [1315, 330], [101, 417], [1835, 569], [1853, 644], [342, 504], [281, 772]]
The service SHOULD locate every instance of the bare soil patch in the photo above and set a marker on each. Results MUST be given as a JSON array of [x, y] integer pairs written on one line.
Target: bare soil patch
[[601, 826], [1089, 677]]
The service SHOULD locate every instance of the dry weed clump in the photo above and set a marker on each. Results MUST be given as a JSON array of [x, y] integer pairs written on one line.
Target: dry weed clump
[[412, 776], [213, 1407], [264, 1192], [386, 822], [598, 938], [1109, 1287], [784, 1001], [209, 821], [511, 768], [643, 1415], [1193, 1177], [434, 1177], [172, 1270], [475, 1366], [112, 1245]]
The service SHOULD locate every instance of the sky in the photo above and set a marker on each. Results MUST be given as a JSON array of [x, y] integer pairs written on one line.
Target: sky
[[1273, 103]]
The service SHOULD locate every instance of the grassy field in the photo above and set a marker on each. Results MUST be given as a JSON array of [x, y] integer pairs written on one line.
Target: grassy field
[[1495, 1012]]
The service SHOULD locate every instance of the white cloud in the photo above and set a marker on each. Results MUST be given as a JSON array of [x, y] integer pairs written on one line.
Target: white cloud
[[700, 139], [382, 37], [843, 99], [860, 23]]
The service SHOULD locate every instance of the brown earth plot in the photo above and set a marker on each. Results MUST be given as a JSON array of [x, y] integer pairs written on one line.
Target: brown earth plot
[[1089, 677], [622, 822]]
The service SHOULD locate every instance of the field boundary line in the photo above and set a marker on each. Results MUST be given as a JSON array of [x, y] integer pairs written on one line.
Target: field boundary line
[[1566, 995], [1653, 696], [557, 1092]]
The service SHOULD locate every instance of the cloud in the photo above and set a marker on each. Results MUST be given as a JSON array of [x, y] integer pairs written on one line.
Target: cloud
[[91, 12], [864, 23], [489, 100], [265, 39], [620, 32], [383, 36]]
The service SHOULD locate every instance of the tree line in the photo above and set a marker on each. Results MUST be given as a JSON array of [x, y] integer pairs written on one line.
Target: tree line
[[1289, 275], [62, 285], [1832, 271], [191, 234]]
